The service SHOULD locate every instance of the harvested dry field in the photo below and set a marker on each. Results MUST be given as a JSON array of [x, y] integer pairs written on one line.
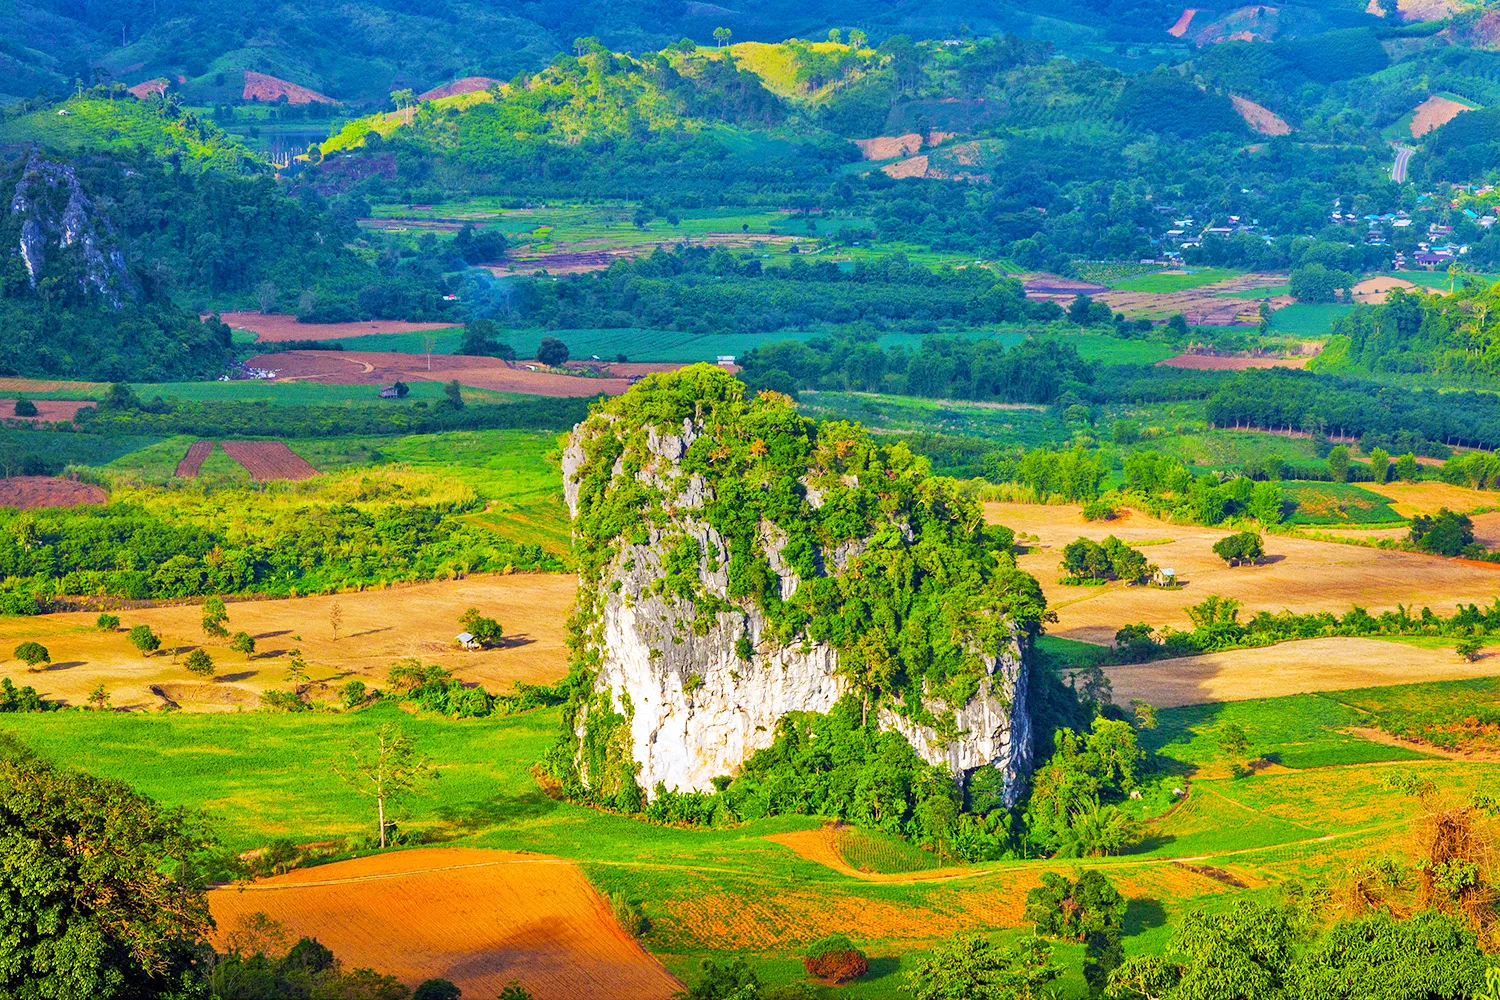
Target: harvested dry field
[[197, 454], [1435, 112], [1215, 362], [11, 385], [1301, 575], [1206, 305], [47, 410], [1408, 499], [276, 328], [379, 627], [479, 919], [1374, 291], [267, 460], [1261, 119], [28, 492], [598, 255], [385, 367], [1331, 664]]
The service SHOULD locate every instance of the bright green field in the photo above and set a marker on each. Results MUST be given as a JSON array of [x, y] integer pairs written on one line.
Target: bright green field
[[1194, 277], [1308, 319], [1009, 424]]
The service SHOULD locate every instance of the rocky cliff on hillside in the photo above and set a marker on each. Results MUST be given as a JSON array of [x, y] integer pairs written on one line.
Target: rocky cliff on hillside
[[739, 563], [56, 217]]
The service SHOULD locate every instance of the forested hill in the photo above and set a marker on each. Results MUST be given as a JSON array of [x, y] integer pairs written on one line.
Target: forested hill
[[359, 52]]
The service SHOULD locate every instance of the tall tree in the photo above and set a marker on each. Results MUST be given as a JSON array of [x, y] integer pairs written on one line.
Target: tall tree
[[385, 768]]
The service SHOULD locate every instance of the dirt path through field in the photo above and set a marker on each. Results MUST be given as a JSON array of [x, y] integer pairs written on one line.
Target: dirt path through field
[[384, 367], [1387, 739], [197, 454], [478, 918]]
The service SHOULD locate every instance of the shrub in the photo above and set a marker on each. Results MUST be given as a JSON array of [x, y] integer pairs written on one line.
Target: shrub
[[436, 989], [835, 959], [25, 407], [629, 914], [107, 622], [282, 701], [1470, 647], [552, 352], [1444, 533], [1099, 510], [353, 695], [243, 642], [1241, 547]]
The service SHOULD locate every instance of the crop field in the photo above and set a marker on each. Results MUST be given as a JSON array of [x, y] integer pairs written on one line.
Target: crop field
[[1461, 716], [375, 369], [1218, 363], [1311, 320], [480, 919], [59, 449], [29, 492], [192, 462], [1300, 574], [378, 627], [1337, 503], [1164, 282], [1428, 497], [1032, 426], [268, 460], [279, 327], [309, 393]]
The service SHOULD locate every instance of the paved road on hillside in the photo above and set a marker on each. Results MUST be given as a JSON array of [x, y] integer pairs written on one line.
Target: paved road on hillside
[[1398, 169]]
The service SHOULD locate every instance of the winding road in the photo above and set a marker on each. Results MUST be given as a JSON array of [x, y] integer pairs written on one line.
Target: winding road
[[1403, 157]]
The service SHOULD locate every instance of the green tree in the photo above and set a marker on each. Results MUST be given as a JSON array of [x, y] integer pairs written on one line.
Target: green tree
[[1470, 647], [243, 642], [32, 653], [436, 989], [1445, 533], [142, 638], [25, 407], [200, 663], [1380, 465], [385, 768], [858, 38], [552, 352], [969, 967], [98, 897], [1265, 503], [214, 617], [1407, 469], [353, 694], [835, 36], [486, 631], [296, 669], [722, 36], [107, 622], [1240, 548], [453, 395], [99, 698], [1338, 463]]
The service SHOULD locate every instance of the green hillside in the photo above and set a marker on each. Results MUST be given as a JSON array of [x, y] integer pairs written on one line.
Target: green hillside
[[128, 124]]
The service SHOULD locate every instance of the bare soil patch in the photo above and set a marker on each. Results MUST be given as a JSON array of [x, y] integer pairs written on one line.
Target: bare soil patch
[[383, 368], [479, 919], [597, 255], [29, 492], [888, 147], [1215, 362], [1435, 112], [916, 166], [1330, 664], [379, 627], [1180, 28], [1487, 529], [1301, 575], [268, 460], [1206, 305], [197, 454], [12, 385], [260, 87], [148, 88], [467, 85], [47, 410], [275, 327], [1260, 118]]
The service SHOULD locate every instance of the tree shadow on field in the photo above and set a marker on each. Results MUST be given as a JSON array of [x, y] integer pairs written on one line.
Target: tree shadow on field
[[1142, 915], [65, 665], [231, 678], [497, 809], [272, 635], [369, 631], [882, 966], [513, 641], [1270, 560]]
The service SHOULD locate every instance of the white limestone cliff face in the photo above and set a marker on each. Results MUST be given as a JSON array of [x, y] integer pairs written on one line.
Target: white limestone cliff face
[[696, 710]]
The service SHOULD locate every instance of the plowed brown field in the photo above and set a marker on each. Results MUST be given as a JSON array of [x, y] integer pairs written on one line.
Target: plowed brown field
[[197, 454], [267, 460], [47, 410], [383, 368], [1435, 112], [1210, 362], [28, 492], [275, 327], [479, 919]]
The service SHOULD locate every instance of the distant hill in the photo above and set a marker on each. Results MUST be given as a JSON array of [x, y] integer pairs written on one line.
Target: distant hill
[[125, 123]]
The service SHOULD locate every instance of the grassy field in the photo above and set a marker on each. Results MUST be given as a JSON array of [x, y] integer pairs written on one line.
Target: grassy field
[[18, 443], [1308, 320], [1004, 424], [1162, 283], [1322, 804]]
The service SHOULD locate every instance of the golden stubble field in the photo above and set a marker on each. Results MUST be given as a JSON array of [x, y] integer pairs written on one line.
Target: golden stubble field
[[477, 918], [378, 628]]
